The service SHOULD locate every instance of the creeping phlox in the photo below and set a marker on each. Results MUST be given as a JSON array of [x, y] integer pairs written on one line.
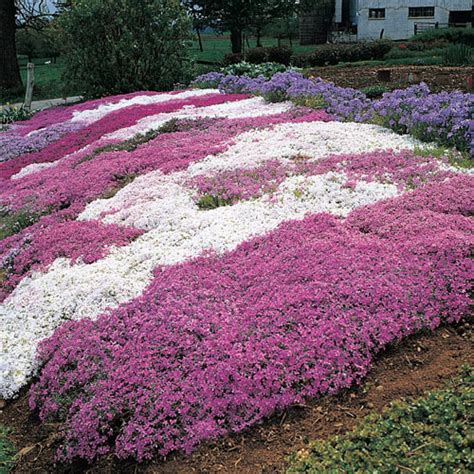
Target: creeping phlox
[[177, 266]]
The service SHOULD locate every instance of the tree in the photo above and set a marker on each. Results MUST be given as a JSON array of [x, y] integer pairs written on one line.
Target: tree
[[32, 14], [198, 17], [265, 12], [229, 15], [127, 45], [239, 15], [14, 15], [9, 71]]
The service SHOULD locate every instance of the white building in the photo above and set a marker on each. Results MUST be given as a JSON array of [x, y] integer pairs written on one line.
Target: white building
[[397, 19]]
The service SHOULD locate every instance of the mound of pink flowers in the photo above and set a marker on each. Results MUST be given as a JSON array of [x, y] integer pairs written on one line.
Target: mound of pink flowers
[[176, 267]]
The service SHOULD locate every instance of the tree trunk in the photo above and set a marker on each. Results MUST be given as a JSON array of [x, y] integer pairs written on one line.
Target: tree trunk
[[9, 70], [236, 39], [259, 38], [198, 31]]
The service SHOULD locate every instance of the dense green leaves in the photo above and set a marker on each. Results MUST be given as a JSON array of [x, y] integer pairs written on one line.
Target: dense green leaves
[[7, 451], [12, 114], [431, 434], [115, 46], [453, 35]]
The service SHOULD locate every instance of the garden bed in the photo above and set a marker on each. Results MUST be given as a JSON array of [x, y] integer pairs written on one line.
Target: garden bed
[[177, 267], [438, 78], [407, 369]]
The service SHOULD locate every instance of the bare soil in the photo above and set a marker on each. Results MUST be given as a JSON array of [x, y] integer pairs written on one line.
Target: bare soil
[[405, 369], [438, 78]]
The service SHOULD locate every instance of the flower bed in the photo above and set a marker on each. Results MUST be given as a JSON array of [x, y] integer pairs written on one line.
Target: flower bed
[[179, 266], [444, 118]]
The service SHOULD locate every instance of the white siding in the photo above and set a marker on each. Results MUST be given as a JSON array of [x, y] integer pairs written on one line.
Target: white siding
[[396, 24]]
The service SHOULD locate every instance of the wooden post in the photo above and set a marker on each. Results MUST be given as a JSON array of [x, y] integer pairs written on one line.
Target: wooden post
[[469, 82], [30, 82]]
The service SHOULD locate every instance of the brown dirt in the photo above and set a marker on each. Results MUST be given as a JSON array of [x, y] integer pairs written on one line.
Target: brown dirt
[[438, 78], [406, 369]]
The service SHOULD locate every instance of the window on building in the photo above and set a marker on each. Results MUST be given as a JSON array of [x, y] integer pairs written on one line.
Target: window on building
[[376, 13], [421, 12]]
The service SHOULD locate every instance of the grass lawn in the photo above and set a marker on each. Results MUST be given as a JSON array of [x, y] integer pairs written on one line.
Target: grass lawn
[[217, 46], [48, 82]]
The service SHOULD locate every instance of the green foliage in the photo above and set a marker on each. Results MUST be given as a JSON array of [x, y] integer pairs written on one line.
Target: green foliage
[[452, 35], [285, 27], [430, 434], [423, 46], [207, 201], [12, 223], [217, 46], [274, 54], [376, 91], [12, 114], [120, 182], [239, 15], [425, 60], [37, 44], [455, 157], [171, 126], [256, 55], [254, 70], [331, 54], [232, 58], [126, 46], [315, 101], [261, 55], [399, 53], [280, 55], [7, 451], [458, 55]]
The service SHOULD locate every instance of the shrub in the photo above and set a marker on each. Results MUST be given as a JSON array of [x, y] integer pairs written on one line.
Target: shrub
[[280, 55], [256, 55], [430, 434], [409, 53], [232, 58], [458, 55], [452, 35], [331, 54], [126, 46], [425, 45], [276, 54], [380, 48], [301, 60]]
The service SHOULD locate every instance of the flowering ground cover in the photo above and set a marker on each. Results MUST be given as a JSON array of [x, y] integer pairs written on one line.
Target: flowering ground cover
[[445, 118], [178, 266]]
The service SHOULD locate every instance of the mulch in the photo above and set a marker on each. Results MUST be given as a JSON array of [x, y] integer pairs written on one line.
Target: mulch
[[405, 369]]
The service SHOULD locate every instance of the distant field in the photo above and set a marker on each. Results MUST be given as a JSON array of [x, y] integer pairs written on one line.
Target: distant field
[[217, 46]]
